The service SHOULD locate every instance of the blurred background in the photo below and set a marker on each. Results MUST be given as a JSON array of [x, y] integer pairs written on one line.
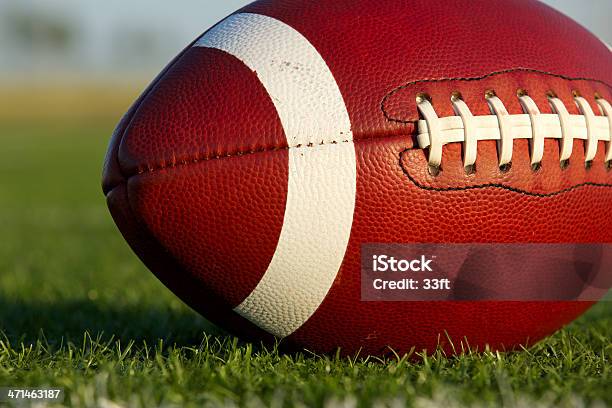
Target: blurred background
[[68, 57], [68, 70]]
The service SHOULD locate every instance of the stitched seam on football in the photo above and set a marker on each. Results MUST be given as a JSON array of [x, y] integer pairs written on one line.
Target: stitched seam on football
[[413, 180], [202, 157], [390, 117], [205, 156], [495, 185]]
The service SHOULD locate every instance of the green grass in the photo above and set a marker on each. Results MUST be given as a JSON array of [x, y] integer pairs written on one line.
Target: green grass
[[79, 311]]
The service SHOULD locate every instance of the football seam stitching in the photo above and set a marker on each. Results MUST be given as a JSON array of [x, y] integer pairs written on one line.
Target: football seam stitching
[[404, 170], [390, 118], [494, 185], [147, 168]]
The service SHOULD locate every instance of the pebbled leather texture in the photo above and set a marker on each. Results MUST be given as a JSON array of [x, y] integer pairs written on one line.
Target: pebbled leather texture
[[196, 174]]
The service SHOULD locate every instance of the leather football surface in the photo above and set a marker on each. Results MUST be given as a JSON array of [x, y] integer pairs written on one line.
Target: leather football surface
[[250, 172]]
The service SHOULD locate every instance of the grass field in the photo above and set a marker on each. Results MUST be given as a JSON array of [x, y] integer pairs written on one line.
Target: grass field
[[79, 311]]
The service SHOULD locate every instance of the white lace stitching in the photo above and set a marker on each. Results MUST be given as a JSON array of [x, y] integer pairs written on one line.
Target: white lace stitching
[[435, 132]]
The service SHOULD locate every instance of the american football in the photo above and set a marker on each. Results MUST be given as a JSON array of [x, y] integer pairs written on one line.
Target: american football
[[255, 169]]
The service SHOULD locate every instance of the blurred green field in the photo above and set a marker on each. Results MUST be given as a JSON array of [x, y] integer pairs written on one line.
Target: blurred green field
[[78, 310], [65, 268]]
